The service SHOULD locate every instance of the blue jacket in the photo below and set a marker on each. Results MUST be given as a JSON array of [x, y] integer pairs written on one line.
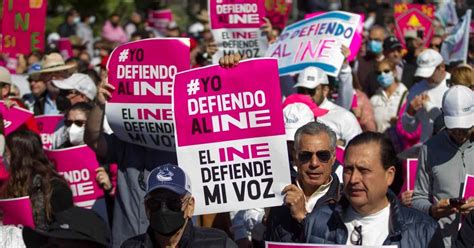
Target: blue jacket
[[409, 227]]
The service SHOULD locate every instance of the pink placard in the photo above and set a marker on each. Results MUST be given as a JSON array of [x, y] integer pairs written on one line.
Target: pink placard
[[142, 73], [236, 13], [201, 124], [47, 125], [358, 35], [160, 19], [340, 154], [13, 117], [17, 211], [278, 11], [23, 26], [65, 48], [410, 167], [468, 187], [413, 18], [78, 165]]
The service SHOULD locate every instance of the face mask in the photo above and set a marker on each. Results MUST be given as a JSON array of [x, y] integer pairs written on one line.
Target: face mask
[[62, 103], [385, 79], [166, 222], [76, 135], [91, 19], [77, 19], [375, 46]]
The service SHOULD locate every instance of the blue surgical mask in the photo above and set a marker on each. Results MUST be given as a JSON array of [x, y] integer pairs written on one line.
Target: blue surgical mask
[[385, 79], [375, 46]]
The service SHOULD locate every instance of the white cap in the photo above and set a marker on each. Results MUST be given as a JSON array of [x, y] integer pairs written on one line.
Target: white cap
[[427, 62], [5, 75], [296, 115], [80, 82], [311, 77], [458, 107]]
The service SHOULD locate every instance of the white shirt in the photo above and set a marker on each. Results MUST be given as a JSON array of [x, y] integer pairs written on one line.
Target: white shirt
[[340, 120], [311, 201], [385, 107], [430, 111], [375, 227]]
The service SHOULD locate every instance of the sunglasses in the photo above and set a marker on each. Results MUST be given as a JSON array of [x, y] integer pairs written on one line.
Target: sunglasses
[[384, 71], [68, 92], [173, 204], [79, 123], [323, 156]]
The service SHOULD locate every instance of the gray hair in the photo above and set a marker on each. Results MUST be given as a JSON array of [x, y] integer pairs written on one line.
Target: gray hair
[[315, 128]]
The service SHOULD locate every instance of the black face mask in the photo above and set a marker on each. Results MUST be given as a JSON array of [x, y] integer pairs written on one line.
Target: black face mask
[[115, 24], [166, 222], [62, 103]]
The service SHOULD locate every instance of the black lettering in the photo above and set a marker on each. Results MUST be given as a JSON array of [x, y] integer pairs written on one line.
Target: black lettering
[[205, 175], [140, 55], [216, 83], [240, 193], [205, 81], [266, 193], [202, 157], [216, 194], [140, 138], [162, 140], [256, 191]]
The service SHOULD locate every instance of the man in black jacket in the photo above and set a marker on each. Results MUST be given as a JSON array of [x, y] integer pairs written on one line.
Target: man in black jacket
[[315, 183], [169, 207]]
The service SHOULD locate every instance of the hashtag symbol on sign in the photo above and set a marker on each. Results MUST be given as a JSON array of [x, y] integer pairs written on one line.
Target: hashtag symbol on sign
[[193, 87], [123, 55]]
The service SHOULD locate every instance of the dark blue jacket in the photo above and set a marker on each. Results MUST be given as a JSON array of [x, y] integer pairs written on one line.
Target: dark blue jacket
[[408, 227]]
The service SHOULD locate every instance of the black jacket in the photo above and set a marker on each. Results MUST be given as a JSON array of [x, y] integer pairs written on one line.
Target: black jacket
[[465, 237], [281, 227], [193, 237], [409, 227]]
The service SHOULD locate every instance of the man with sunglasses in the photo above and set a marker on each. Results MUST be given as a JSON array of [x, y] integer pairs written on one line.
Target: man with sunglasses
[[77, 88], [444, 161], [169, 207], [368, 213], [315, 184]]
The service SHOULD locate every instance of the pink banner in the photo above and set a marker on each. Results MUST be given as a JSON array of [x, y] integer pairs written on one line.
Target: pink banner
[[414, 20], [65, 48], [468, 187], [160, 19], [47, 125], [236, 13], [23, 26], [79, 173], [278, 12], [358, 35], [17, 211], [142, 73], [13, 117], [410, 166]]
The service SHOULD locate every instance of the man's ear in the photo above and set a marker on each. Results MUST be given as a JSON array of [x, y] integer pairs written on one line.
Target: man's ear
[[390, 175]]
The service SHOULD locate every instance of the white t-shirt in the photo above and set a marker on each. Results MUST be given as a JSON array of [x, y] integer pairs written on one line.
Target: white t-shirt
[[375, 227], [340, 120], [385, 108]]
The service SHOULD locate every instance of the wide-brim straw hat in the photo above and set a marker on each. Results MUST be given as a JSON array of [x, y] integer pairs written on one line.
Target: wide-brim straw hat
[[54, 62]]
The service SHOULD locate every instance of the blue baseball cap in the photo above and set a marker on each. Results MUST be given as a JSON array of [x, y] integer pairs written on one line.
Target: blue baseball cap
[[169, 177]]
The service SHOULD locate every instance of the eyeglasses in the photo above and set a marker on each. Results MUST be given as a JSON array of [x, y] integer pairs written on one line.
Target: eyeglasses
[[323, 156], [384, 71], [172, 203], [356, 235], [68, 92], [79, 123]]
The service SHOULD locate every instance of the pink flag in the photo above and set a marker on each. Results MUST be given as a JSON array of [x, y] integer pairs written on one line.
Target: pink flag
[[414, 20], [13, 117], [159, 19], [78, 165], [410, 167], [47, 125], [17, 211], [278, 12]]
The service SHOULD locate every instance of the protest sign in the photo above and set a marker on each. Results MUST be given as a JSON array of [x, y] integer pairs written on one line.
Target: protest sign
[[295, 245], [159, 19], [142, 73], [315, 42], [414, 20], [455, 45], [47, 125], [13, 117], [356, 41], [235, 25], [468, 190], [340, 154], [231, 136], [410, 167], [79, 173], [278, 12], [23, 25], [17, 211], [65, 48]]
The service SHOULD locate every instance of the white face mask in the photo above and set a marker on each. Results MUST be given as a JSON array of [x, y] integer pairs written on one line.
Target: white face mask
[[76, 135], [91, 19], [77, 19]]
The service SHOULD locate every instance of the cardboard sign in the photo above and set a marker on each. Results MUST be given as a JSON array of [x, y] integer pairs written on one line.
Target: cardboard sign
[[315, 42], [17, 211], [414, 20], [235, 25], [142, 73], [23, 25], [468, 190], [47, 125], [159, 19], [65, 48], [278, 12], [231, 137], [294, 245], [13, 117], [79, 173]]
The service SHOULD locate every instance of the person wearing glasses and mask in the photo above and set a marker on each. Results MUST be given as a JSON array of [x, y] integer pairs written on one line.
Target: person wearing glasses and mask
[[315, 184], [169, 207], [77, 88], [72, 134], [368, 213]]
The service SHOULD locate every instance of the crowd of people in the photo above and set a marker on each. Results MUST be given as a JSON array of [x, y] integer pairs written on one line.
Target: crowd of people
[[387, 105]]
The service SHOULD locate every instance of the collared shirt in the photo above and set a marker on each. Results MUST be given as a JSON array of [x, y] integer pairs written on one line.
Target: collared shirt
[[385, 107], [340, 120], [313, 199]]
